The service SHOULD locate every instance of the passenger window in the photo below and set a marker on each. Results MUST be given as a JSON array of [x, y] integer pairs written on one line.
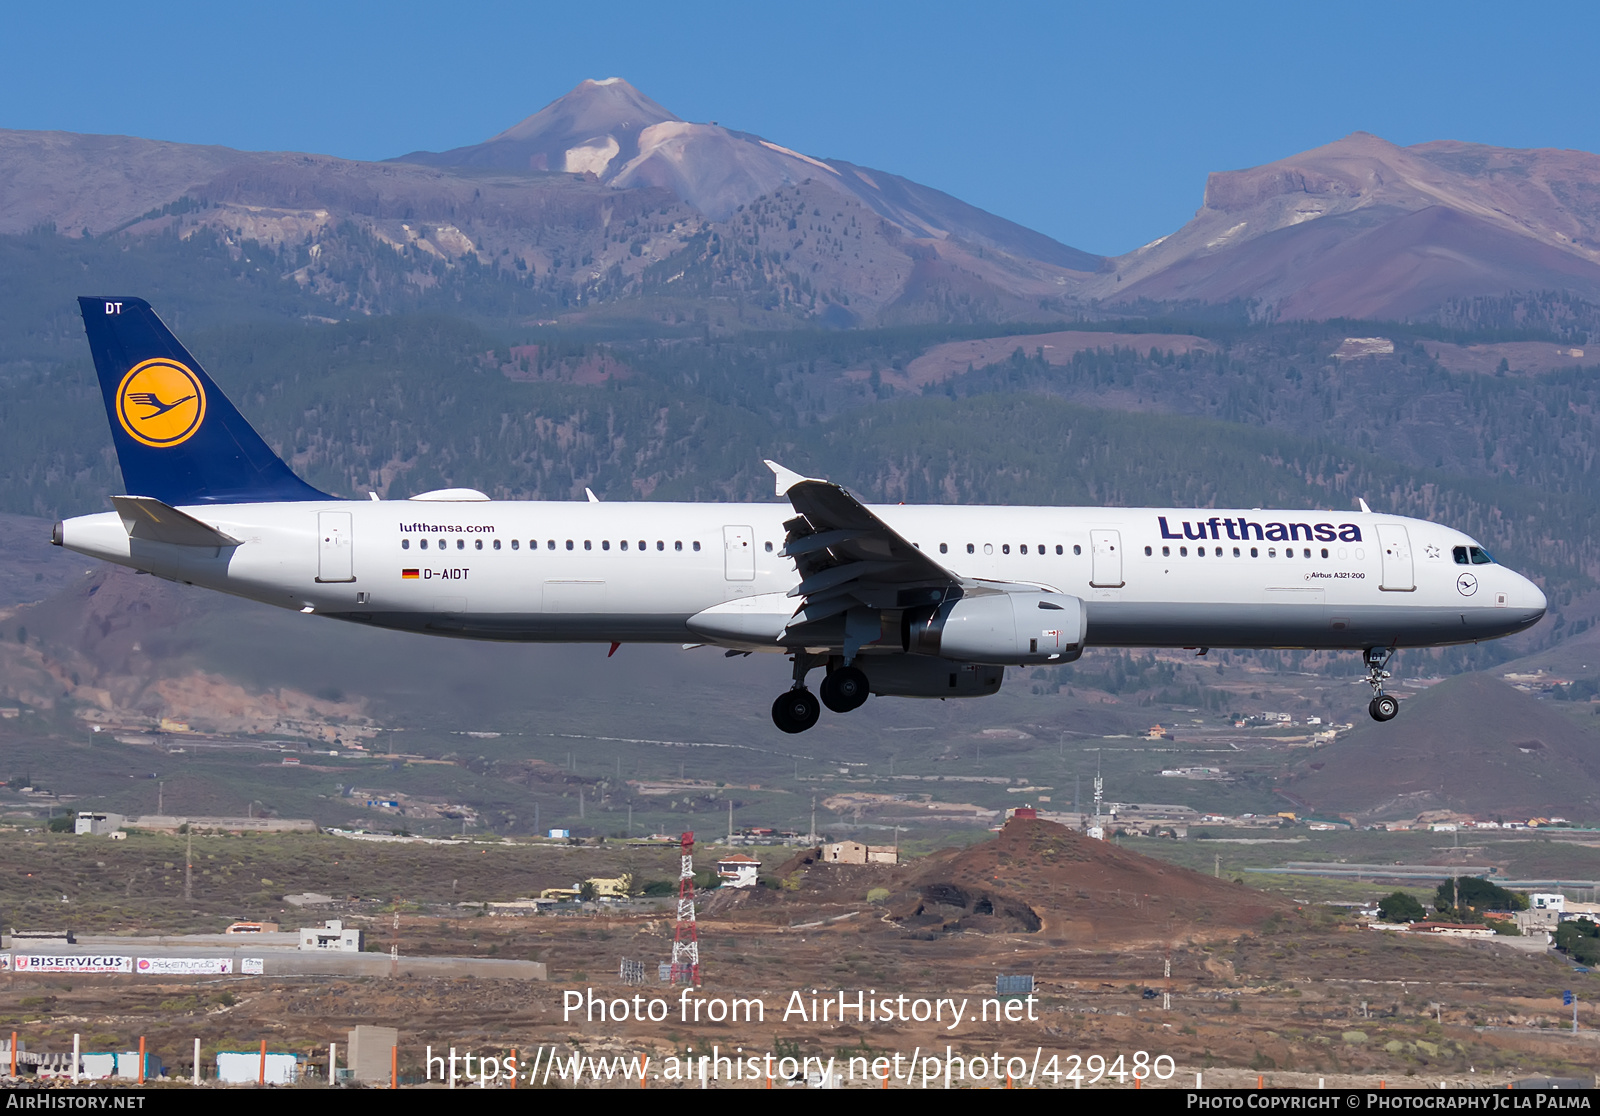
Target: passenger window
[[944, 548], [497, 544], [517, 545], [1236, 552], [642, 545], [1041, 548], [1148, 552], [1480, 556], [1023, 549], [405, 544], [1076, 549], [1199, 552], [1183, 552], [550, 544], [1058, 548], [769, 548], [1005, 548], [677, 546], [477, 544], [660, 545], [697, 546], [605, 544], [423, 543], [1306, 553], [1166, 552], [1272, 551], [970, 548], [1459, 553], [623, 544], [461, 544], [1324, 552], [1254, 553], [587, 545], [988, 548], [569, 544]]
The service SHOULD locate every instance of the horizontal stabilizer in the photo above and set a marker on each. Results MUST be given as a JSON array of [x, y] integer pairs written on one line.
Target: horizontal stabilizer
[[145, 517]]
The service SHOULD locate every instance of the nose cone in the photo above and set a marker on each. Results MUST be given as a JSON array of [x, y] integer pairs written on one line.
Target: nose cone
[[1534, 598]]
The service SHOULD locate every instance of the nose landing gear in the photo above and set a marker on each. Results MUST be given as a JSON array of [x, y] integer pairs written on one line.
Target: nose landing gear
[[1382, 707]]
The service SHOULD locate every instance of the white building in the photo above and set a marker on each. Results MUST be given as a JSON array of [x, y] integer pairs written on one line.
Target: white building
[[1547, 901], [738, 870], [247, 1067], [98, 825], [332, 936]]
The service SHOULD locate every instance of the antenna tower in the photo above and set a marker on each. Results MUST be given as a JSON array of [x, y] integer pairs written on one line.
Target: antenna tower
[[686, 938]]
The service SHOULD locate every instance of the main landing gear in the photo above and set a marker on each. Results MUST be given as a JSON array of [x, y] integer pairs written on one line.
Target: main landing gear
[[843, 688], [1383, 707]]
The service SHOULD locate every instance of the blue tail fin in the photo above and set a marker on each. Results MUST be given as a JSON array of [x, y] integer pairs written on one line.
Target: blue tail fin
[[178, 438]]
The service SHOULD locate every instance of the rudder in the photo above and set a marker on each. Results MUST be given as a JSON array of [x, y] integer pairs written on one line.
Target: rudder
[[178, 438]]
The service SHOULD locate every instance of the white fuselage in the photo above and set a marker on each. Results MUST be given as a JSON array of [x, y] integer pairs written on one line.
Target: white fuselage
[[631, 572]]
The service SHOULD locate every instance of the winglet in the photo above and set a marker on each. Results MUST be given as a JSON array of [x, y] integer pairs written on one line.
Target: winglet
[[786, 478], [593, 499], [1363, 504]]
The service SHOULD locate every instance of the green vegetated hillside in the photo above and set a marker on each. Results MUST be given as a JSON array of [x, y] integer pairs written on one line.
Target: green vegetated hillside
[[671, 406]]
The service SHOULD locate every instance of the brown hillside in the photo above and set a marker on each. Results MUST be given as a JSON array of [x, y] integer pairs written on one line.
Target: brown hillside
[[1472, 744], [1037, 876]]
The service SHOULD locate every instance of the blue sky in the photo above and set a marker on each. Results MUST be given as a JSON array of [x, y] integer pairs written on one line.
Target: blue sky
[[1096, 124]]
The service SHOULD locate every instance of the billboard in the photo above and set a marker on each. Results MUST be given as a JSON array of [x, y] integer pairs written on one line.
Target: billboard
[[69, 963], [184, 966], [252, 966]]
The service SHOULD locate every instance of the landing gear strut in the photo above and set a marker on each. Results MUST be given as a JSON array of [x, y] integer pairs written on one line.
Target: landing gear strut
[[843, 689], [1383, 707], [797, 708]]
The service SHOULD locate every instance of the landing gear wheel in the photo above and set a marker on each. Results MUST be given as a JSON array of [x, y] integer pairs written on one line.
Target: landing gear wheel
[[1384, 707], [796, 710], [845, 689]]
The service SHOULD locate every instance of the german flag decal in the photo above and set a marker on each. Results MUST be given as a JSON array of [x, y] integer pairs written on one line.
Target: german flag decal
[[409, 575]]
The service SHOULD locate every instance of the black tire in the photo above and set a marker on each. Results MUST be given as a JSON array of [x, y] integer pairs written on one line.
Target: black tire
[[1384, 707], [845, 689], [796, 710]]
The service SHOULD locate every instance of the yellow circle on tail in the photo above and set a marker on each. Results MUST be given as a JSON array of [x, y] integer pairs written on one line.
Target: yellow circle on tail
[[161, 403]]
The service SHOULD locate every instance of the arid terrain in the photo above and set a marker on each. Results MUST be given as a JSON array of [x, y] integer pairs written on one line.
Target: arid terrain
[[1258, 986]]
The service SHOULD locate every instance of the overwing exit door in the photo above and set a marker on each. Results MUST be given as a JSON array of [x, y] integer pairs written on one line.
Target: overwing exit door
[[333, 547], [1105, 570], [739, 553]]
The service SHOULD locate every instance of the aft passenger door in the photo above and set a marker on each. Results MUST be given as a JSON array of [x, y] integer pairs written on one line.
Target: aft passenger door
[[1105, 570], [333, 547], [1398, 575], [739, 553]]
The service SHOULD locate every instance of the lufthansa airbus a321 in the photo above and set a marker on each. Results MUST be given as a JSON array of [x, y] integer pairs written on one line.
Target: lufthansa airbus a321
[[898, 601]]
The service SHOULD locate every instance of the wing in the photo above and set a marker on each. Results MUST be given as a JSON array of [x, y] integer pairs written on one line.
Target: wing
[[848, 559]]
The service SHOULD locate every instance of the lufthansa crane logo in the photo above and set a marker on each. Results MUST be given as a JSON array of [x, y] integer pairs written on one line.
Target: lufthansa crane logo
[[1466, 585], [161, 403]]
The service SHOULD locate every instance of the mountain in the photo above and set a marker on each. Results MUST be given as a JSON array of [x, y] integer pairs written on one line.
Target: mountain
[[1472, 744], [1362, 228], [610, 130]]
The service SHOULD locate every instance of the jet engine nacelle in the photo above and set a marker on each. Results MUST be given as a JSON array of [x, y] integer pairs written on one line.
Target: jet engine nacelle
[[1008, 627], [920, 676]]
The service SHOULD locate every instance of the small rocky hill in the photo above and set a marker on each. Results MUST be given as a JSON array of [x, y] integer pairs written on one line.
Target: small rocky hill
[[1040, 877]]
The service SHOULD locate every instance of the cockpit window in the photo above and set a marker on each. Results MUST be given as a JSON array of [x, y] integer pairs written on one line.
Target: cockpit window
[[1460, 555], [1480, 556]]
